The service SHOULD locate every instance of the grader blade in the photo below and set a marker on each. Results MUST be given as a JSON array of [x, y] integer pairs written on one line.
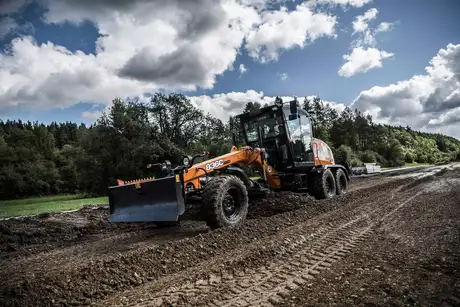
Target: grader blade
[[159, 200]]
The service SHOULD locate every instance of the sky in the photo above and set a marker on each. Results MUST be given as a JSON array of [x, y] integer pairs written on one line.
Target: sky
[[66, 60]]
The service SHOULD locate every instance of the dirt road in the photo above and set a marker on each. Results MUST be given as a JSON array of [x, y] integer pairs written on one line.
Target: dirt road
[[392, 240]]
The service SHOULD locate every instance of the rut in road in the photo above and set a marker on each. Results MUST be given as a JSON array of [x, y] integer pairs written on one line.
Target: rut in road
[[304, 259]]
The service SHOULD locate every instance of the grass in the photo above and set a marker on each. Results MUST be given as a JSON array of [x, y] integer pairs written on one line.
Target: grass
[[37, 205], [406, 165]]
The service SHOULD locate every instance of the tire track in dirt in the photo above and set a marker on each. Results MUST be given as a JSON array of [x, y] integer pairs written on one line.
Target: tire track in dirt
[[283, 277], [305, 258], [171, 263]]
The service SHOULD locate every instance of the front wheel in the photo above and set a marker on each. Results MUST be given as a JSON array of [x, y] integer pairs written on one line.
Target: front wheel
[[225, 202]]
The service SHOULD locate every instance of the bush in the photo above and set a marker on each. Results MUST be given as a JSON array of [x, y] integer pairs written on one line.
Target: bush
[[431, 159], [343, 155], [421, 158], [380, 159], [368, 156], [410, 158], [356, 162]]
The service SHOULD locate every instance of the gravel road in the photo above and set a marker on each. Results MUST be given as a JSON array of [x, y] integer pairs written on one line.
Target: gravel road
[[392, 241]]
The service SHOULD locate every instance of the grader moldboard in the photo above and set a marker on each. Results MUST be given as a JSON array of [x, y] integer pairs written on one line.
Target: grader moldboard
[[276, 140]]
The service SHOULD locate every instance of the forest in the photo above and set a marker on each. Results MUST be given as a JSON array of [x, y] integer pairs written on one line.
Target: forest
[[64, 158]]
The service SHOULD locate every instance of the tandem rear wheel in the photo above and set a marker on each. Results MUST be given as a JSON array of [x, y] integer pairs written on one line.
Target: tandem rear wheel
[[329, 183], [224, 202]]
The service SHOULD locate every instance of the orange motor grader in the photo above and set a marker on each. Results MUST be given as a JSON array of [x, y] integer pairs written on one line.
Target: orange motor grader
[[276, 140]]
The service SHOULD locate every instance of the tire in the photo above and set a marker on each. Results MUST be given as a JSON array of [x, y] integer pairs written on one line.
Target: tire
[[324, 185], [341, 182], [225, 202]]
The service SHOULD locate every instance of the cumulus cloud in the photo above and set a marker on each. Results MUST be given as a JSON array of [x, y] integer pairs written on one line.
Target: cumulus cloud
[[91, 116], [46, 76], [147, 45], [283, 30], [450, 117], [361, 22], [242, 69], [345, 3], [7, 26], [12, 6], [283, 76], [228, 104], [361, 60], [365, 35], [364, 55], [429, 102], [385, 27]]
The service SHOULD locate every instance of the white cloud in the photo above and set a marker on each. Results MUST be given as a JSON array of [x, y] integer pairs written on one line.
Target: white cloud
[[345, 3], [362, 60], [283, 30], [91, 116], [7, 26], [242, 69], [47, 76], [450, 117], [429, 102], [361, 22], [364, 33], [11, 6], [385, 27], [199, 40], [228, 104], [365, 55], [283, 76]]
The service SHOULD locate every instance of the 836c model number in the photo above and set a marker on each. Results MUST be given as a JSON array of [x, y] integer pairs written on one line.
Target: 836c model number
[[214, 164]]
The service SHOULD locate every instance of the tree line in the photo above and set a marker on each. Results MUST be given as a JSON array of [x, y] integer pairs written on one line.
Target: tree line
[[38, 159]]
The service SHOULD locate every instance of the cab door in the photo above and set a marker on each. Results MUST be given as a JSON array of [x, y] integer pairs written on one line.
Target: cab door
[[307, 137]]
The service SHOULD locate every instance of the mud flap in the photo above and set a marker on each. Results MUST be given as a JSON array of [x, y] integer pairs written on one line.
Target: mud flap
[[159, 200]]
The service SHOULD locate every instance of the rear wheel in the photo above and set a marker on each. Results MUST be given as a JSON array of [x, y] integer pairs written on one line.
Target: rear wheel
[[324, 185], [225, 202], [341, 182]]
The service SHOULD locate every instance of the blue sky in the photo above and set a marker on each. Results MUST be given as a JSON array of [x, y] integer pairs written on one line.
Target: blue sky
[[420, 29]]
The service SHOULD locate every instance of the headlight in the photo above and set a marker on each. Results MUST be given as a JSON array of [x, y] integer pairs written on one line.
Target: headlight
[[187, 161]]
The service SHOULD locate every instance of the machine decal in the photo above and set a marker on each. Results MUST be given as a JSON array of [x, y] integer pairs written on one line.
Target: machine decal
[[214, 164], [177, 178]]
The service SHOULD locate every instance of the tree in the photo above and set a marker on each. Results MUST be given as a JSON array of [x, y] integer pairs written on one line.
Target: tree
[[251, 106]]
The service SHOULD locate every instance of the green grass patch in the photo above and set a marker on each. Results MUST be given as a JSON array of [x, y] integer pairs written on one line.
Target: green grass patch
[[37, 205], [406, 165]]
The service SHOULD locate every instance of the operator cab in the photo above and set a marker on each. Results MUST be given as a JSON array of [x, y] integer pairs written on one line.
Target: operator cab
[[284, 130]]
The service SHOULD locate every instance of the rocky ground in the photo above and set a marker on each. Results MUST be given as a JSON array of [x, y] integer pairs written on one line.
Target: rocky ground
[[392, 241]]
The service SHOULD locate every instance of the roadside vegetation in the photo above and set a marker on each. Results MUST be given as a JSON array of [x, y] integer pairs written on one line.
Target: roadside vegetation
[[67, 158], [37, 205]]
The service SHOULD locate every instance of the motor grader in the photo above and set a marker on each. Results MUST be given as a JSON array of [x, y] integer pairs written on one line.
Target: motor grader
[[276, 140]]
